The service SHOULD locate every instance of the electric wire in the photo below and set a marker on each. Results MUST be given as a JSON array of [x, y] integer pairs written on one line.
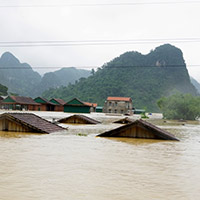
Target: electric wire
[[99, 4]]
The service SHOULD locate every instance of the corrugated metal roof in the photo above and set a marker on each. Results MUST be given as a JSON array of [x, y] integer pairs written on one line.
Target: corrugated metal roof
[[33, 121], [119, 99]]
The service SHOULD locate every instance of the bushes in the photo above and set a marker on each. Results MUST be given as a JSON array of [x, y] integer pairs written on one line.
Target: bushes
[[180, 106]]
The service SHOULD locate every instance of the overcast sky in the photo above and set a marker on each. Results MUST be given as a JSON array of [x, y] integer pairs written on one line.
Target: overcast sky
[[84, 20]]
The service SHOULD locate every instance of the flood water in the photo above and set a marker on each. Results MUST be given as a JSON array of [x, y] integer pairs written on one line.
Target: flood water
[[75, 166]]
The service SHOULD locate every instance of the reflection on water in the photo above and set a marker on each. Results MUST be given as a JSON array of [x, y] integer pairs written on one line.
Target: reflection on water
[[68, 166]]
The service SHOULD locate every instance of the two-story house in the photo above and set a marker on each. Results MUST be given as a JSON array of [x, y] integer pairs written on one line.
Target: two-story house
[[122, 105]]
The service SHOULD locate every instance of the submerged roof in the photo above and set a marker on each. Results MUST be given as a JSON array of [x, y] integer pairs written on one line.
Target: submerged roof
[[86, 119], [125, 120], [141, 128], [119, 99], [33, 122]]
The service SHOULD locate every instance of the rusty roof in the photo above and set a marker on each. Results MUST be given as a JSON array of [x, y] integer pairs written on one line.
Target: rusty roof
[[119, 99], [33, 121], [88, 120], [24, 100], [158, 132]]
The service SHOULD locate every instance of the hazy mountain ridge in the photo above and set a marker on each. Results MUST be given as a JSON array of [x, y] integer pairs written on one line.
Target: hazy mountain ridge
[[145, 78], [20, 78], [196, 84]]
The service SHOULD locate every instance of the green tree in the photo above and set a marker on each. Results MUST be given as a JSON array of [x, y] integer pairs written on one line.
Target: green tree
[[180, 106]]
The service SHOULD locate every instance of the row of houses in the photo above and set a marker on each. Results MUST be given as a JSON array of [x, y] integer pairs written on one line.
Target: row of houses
[[122, 105]]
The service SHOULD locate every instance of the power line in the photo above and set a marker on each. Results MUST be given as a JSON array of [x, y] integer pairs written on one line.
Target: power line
[[89, 67], [99, 4], [93, 42]]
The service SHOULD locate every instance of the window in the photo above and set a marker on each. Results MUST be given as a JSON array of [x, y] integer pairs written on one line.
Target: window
[[115, 111], [122, 111], [109, 110], [110, 103]]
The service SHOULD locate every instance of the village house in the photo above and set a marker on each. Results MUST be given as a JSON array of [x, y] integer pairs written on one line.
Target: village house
[[19, 103], [59, 104], [45, 105], [77, 106], [122, 105]]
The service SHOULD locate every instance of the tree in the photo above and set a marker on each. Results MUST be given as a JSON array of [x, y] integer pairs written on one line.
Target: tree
[[180, 106]]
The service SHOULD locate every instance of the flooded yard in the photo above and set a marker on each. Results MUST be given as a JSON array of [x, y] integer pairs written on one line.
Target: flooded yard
[[75, 164]]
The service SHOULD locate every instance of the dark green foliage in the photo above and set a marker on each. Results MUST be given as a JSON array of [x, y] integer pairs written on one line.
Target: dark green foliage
[[144, 78], [3, 90], [180, 106]]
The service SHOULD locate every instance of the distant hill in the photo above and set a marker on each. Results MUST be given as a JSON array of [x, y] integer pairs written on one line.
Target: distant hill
[[18, 77], [3, 90], [59, 78], [21, 79], [145, 78], [196, 84]]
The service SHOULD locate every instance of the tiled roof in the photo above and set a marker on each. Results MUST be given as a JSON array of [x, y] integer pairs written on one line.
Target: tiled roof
[[118, 99], [24, 100], [90, 104], [33, 122], [60, 101]]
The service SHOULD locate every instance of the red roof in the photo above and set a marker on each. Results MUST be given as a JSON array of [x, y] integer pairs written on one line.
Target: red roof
[[90, 104], [119, 99]]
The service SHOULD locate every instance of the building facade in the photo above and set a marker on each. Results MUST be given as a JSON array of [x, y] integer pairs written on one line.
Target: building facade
[[120, 105]]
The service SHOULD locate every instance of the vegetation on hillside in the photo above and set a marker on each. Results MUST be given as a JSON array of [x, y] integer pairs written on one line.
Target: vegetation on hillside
[[144, 78], [3, 90], [180, 106]]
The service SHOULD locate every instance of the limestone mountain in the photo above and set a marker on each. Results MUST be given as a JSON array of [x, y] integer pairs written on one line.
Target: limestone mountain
[[144, 78], [18, 77], [21, 79]]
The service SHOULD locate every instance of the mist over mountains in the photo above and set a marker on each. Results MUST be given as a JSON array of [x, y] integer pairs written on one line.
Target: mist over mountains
[[21, 79]]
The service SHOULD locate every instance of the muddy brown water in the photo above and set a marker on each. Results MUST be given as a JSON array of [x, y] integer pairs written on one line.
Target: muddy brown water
[[78, 165]]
